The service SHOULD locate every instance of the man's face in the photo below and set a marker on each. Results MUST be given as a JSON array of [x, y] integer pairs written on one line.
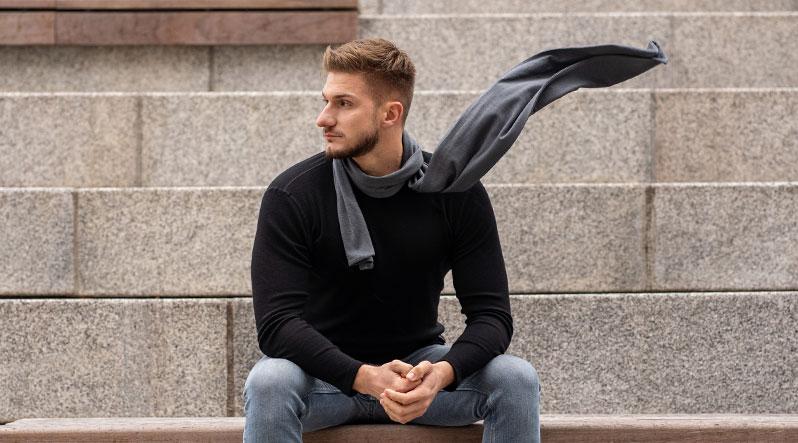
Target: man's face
[[349, 117]]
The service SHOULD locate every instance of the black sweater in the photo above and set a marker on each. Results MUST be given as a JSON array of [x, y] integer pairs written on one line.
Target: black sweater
[[314, 310]]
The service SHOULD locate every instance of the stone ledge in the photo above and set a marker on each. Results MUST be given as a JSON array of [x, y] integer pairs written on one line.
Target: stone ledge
[[554, 428]]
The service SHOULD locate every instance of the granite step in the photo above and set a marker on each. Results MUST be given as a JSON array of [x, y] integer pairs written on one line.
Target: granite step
[[554, 428], [619, 353], [555, 238], [706, 49], [247, 138], [413, 7]]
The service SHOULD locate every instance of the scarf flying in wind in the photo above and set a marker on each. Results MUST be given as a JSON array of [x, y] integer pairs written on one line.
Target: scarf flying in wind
[[485, 131]]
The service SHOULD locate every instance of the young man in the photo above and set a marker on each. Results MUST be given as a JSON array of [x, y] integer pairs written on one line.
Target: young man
[[347, 344]]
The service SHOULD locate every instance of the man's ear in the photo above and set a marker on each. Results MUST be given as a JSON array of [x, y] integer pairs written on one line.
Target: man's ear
[[392, 113]]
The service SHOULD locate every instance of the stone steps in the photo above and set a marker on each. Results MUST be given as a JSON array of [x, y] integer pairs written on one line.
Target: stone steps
[[642, 353], [246, 139], [554, 428], [652, 222], [708, 49], [555, 238]]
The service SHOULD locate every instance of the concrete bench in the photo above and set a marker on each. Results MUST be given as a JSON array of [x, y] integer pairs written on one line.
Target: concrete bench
[[176, 22], [554, 429]]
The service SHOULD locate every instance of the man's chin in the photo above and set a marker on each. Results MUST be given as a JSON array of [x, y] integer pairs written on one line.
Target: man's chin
[[331, 151]]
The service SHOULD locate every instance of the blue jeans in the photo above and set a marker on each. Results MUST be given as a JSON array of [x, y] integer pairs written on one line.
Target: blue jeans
[[281, 401]]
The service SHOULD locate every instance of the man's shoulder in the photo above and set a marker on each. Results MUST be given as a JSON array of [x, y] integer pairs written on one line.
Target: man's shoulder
[[305, 176]]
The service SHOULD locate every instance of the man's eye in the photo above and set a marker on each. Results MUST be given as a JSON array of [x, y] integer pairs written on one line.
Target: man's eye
[[345, 103]]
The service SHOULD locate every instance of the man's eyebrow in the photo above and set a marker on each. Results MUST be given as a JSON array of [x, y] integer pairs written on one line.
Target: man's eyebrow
[[339, 95]]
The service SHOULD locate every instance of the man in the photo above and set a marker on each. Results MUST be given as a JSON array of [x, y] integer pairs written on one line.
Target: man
[[346, 344]]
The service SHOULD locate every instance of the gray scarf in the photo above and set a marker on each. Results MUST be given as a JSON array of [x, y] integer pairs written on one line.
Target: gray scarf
[[485, 131]]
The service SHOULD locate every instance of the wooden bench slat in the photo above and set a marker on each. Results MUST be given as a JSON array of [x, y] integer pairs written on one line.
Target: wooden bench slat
[[555, 428], [28, 4], [204, 28], [27, 28], [177, 28], [177, 4]]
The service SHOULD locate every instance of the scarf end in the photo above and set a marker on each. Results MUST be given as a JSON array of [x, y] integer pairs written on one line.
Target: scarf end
[[366, 264]]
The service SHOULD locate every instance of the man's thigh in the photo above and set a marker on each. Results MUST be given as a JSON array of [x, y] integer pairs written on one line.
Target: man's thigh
[[328, 406], [273, 382]]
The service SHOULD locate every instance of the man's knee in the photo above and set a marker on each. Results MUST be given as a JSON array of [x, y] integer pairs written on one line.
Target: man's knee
[[513, 373], [275, 379]]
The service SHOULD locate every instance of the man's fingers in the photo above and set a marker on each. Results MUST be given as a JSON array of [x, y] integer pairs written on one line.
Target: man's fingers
[[400, 367], [404, 398], [389, 405], [398, 412], [420, 370], [391, 408]]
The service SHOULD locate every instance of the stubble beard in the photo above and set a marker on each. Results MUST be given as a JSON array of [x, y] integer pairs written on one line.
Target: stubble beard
[[363, 147]]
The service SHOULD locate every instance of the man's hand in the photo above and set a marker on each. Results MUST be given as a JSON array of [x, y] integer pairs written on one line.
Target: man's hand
[[373, 380], [404, 407]]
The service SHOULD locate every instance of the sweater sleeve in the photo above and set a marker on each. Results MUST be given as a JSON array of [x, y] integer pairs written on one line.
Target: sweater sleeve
[[480, 282], [281, 268]]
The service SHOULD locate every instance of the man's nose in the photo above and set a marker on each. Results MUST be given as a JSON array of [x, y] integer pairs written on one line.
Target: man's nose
[[325, 119]]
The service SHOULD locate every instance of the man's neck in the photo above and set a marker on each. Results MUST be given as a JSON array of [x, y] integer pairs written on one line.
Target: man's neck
[[384, 159]]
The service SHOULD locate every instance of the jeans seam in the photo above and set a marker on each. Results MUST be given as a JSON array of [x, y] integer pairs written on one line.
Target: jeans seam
[[324, 391], [460, 388]]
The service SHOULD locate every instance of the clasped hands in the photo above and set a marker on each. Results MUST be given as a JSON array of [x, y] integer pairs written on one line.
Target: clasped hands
[[404, 391]]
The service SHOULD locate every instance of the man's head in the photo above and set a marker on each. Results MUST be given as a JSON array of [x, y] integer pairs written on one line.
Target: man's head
[[367, 94]]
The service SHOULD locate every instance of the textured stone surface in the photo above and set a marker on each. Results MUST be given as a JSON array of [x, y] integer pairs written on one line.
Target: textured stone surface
[[245, 349], [268, 68], [555, 238], [68, 140], [635, 353], [228, 139], [570, 6], [369, 6], [195, 241], [587, 136], [103, 68], [471, 52], [198, 241], [564, 238], [464, 53], [725, 237], [478, 49], [36, 242], [657, 353], [111, 357], [726, 135], [735, 50], [246, 139], [706, 51]]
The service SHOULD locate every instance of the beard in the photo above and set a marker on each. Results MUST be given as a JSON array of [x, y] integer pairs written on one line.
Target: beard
[[361, 147]]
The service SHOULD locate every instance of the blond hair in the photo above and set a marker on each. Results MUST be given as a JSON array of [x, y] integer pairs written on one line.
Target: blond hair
[[388, 71]]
